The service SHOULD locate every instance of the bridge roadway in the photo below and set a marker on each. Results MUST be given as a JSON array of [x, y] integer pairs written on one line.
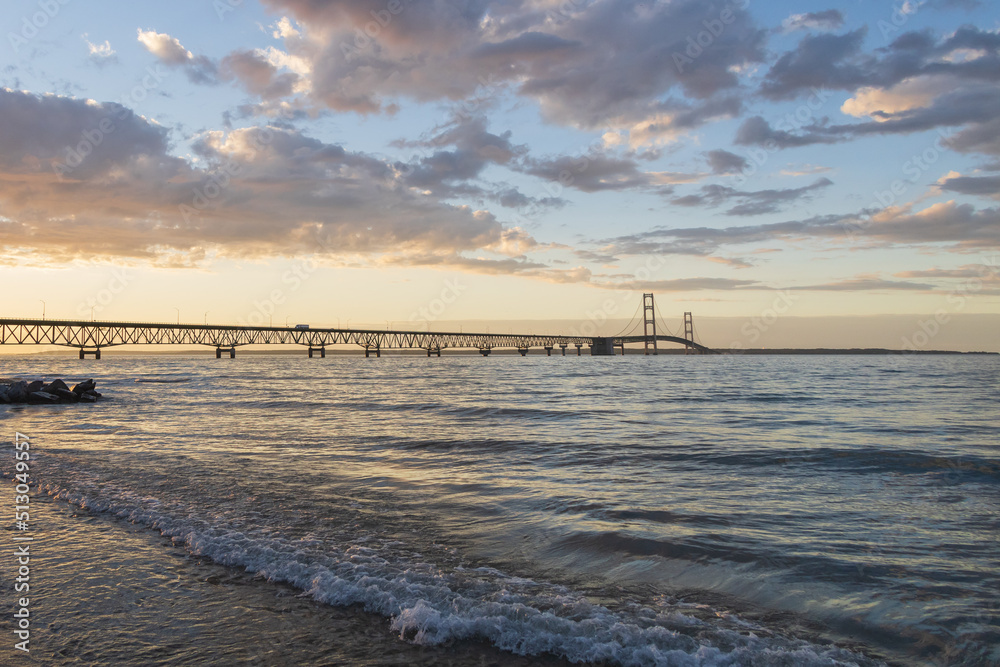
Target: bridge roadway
[[90, 337]]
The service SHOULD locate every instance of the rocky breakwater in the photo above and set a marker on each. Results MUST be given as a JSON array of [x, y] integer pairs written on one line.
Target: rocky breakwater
[[57, 391]]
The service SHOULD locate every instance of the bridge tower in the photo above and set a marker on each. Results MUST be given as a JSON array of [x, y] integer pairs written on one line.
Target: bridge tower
[[689, 333], [649, 323]]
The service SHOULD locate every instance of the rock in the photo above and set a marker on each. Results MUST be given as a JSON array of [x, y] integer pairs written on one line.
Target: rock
[[55, 384], [42, 397], [37, 392], [18, 392], [85, 386], [65, 394]]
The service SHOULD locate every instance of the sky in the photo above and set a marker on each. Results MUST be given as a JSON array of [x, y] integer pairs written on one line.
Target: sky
[[417, 163]]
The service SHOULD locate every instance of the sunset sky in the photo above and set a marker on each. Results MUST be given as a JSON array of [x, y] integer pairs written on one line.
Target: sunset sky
[[405, 162]]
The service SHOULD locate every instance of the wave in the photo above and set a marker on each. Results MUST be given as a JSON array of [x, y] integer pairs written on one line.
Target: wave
[[460, 412], [861, 460], [707, 549], [428, 604], [520, 413], [163, 380]]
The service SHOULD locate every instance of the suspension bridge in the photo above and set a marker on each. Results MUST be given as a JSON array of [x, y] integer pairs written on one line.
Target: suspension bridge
[[91, 337]]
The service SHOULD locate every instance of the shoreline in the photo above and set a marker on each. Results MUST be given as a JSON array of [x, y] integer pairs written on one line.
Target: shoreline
[[130, 581]]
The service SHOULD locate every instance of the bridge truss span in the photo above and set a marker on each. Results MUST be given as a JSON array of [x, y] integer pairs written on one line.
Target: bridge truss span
[[95, 335], [91, 337]]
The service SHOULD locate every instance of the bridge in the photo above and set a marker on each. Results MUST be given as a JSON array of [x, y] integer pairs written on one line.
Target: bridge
[[91, 337]]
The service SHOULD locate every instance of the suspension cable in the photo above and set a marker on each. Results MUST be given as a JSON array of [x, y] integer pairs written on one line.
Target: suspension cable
[[663, 324], [622, 332]]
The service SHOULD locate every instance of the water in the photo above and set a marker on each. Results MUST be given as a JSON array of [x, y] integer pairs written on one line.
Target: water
[[467, 510]]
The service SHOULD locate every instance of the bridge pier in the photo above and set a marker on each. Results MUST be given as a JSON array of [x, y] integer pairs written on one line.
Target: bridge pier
[[579, 349], [321, 349], [96, 352], [564, 349], [368, 349], [523, 351], [431, 350], [231, 350], [602, 347], [548, 351], [485, 351]]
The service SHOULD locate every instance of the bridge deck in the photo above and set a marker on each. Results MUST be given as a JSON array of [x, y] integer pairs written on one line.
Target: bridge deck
[[668, 339], [82, 334]]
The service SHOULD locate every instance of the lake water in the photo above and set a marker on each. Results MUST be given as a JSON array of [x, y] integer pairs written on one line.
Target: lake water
[[505, 510]]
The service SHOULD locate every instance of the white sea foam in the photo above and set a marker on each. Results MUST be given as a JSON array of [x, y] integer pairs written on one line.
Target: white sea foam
[[430, 605]]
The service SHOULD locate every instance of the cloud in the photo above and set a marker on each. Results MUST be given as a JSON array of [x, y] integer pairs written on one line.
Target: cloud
[[451, 161], [755, 131], [607, 65], [837, 62], [961, 226], [983, 186], [864, 285], [947, 226], [735, 262], [257, 191], [905, 96], [514, 242], [475, 147], [100, 54], [529, 44], [257, 74], [610, 66], [750, 203], [682, 285], [990, 272], [78, 139], [829, 20], [974, 107], [917, 83], [981, 137], [169, 51], [724, 162], [600, 172], [805, 170], [819, 61], [508, 266]]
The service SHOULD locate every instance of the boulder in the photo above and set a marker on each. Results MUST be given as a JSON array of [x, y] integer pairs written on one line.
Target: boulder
[[55, 384], [37, 392], [85, 386], [65, 394], [42, 397], [18, 392]]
